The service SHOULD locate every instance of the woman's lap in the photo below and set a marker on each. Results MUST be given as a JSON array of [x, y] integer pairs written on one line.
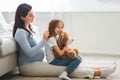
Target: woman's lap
[[45, 69]]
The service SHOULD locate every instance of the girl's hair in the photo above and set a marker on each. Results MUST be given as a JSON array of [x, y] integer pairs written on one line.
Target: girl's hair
[[21, 11], [52, 25]]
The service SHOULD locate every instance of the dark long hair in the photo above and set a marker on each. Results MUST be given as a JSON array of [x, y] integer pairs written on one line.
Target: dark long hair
[[21, 11]]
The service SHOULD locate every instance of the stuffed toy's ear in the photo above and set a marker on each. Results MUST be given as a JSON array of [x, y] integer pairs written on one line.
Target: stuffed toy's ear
[[62, 39], [65, 38]]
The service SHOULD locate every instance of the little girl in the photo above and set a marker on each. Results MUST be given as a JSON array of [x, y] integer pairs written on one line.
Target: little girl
[[55, 28]]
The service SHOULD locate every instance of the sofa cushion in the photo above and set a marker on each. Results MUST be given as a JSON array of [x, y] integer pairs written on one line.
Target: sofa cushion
[[4, 31], [7, 46]]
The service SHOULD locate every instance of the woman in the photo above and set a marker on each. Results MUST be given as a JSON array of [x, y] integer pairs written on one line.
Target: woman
[[30, 51]]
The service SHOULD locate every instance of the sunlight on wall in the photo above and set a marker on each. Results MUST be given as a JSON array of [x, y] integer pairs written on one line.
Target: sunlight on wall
[[64, 5], [38, 5]]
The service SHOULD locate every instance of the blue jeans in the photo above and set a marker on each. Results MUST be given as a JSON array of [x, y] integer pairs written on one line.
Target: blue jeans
[[71, 64]]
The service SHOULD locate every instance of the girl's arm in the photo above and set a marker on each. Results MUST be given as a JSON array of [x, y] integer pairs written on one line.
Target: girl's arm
[[61, 52]]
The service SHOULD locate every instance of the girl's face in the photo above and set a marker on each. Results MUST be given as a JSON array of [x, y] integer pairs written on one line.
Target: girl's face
[[59, 28], [29, 17]]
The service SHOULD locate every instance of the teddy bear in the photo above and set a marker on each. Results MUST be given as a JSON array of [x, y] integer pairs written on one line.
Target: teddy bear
[[62, 41]]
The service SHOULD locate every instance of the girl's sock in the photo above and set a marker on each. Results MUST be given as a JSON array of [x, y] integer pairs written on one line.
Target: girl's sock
[[64, 76], [105, 71]]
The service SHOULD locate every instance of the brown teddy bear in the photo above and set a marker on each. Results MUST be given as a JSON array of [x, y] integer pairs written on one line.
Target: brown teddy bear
[[62, 41]]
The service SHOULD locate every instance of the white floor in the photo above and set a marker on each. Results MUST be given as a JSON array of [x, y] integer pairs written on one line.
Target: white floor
[[90, 60], [95, 60], [99, 59]]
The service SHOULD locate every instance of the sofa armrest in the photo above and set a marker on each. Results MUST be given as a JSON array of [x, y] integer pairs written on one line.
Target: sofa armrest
[[7, 46]]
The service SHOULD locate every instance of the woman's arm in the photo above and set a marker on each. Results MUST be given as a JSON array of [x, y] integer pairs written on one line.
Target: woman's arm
[[21, 37]]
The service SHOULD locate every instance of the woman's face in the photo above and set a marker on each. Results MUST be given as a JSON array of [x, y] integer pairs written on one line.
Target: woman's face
[[29, 17], [59, 28]]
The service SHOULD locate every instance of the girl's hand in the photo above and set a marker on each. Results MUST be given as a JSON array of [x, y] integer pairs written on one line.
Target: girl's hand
[[45, 35], [66, 49]]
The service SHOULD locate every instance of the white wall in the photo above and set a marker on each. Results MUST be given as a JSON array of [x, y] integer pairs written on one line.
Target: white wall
[[93, 32], [96, 32]]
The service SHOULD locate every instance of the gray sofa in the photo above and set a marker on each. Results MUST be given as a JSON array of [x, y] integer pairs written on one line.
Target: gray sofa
[[8, 54]]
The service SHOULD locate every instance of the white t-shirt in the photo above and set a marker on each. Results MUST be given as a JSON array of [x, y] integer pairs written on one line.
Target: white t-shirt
[[49, 48]]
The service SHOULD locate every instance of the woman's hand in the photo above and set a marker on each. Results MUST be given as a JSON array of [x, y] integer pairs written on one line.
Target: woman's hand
[[45, 35]]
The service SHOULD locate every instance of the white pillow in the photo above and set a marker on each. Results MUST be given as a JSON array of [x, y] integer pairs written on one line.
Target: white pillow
[[3, 31], [7, 46]]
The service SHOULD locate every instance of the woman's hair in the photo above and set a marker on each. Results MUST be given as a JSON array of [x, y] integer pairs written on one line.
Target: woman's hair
[[21, 11], [52, 25]]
